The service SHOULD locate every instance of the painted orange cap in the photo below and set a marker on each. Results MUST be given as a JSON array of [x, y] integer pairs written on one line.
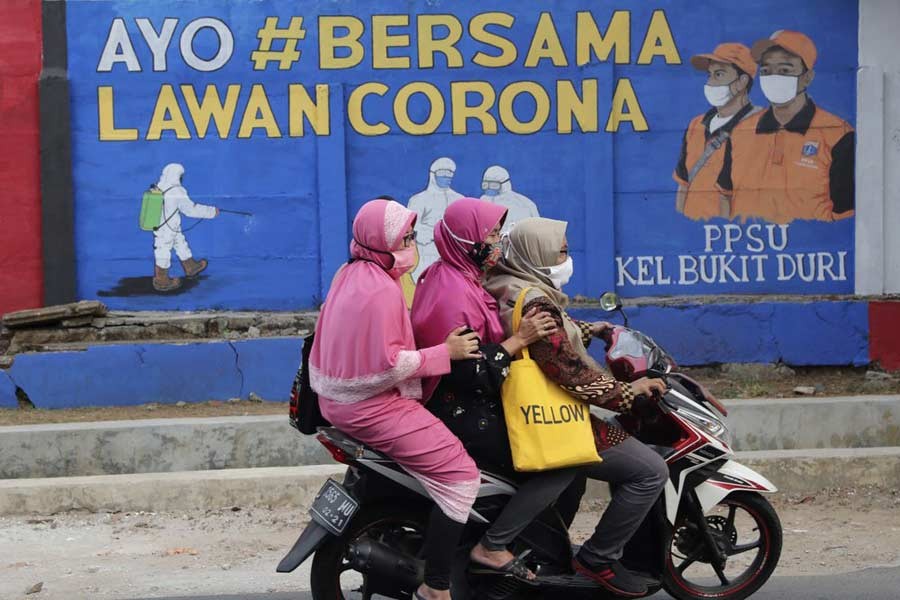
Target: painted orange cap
[[732, 54], [792, 41]]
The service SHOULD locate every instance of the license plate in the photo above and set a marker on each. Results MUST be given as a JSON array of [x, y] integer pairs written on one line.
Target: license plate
[[333, 507]]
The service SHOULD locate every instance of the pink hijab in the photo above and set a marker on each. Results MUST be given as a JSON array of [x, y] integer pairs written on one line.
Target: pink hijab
[[364, 325], [449, 293]]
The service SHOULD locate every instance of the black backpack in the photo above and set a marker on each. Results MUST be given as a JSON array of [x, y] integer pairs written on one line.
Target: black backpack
[[304, 410]]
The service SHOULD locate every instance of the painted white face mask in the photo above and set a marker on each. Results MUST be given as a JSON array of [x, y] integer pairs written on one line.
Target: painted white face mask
[[561, 274], [779, 89], [717, 95]]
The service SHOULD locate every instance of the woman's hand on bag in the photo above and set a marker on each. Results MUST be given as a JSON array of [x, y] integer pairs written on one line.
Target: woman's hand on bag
[[650, 388], [536, 326], [462, 346]]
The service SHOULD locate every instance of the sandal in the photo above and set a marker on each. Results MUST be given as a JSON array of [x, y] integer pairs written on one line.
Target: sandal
[[515, 568]]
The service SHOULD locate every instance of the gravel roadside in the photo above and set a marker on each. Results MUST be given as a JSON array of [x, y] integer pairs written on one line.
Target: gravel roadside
[[234, 551]]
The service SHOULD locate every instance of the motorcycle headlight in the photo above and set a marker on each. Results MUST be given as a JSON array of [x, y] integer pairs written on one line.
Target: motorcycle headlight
[[713, 427]]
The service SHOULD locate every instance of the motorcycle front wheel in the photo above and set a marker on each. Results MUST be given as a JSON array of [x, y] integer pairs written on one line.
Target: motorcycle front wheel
[[333, 576], [746, 529]]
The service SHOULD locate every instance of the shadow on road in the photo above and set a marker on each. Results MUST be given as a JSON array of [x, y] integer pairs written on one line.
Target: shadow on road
[[868, 584]]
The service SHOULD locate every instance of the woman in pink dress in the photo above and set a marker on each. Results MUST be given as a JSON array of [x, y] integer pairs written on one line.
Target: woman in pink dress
[[365, 367]]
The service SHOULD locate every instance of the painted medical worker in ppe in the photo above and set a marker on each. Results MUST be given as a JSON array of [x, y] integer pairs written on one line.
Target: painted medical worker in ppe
[[497, 188], [430, 205], [169, 236]]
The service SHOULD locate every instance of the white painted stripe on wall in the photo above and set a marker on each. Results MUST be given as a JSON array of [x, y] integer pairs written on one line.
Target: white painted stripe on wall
[[878, 149]]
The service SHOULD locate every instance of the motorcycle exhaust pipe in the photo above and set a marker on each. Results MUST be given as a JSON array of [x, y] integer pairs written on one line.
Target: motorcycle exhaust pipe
[[380, 560]]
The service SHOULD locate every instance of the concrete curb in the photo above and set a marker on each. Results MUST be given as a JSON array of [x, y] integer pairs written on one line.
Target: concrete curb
[[155, 446], [801, 471], [831, 422], [167, 492], [793, 471], [170, 445]]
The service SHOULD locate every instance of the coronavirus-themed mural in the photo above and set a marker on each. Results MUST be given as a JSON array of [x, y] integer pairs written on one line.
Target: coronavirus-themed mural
[[693, 149], [496, 186], [430, 205]]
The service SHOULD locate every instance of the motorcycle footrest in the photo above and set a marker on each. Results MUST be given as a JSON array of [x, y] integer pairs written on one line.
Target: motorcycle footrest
[[567, 581]]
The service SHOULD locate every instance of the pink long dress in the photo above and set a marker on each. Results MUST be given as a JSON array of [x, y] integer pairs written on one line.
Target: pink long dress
[[368, 373]]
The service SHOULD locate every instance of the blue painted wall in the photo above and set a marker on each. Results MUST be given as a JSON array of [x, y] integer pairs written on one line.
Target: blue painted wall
[[814, 333], [615, 188], [132, 374], [818, 333], [7, 391]]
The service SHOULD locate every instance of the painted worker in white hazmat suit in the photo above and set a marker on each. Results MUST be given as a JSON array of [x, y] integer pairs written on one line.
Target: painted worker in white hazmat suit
[[169, 236], [430, 205], [497, 188]]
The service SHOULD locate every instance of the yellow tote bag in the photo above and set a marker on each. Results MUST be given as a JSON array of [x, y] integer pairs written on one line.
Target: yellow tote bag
[[548, 429]]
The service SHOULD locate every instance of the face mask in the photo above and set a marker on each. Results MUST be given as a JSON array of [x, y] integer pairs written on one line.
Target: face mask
[[779, 89], [486, 256], [483, 255], [718, 95], [491, 192], [443, 181], [560, 274], [404, 261]]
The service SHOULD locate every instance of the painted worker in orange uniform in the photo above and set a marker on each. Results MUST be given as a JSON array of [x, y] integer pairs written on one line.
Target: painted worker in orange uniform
[[794, 160], [730, 69]]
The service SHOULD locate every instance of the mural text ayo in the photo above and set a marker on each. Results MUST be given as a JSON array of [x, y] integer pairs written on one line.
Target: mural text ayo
[[386, 42]]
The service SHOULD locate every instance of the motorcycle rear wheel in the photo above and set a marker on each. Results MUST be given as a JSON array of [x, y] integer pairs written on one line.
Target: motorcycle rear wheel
[[688, 548], [330, 566]]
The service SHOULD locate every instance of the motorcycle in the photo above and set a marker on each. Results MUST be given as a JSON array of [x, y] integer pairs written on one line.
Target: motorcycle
[[712, 534]]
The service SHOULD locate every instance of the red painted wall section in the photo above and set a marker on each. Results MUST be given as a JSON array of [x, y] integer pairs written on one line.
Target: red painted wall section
[[884, 334], [21, 278]]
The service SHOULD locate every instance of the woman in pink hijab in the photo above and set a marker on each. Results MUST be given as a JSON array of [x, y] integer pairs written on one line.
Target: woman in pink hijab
[[365, 367], [449, 295]]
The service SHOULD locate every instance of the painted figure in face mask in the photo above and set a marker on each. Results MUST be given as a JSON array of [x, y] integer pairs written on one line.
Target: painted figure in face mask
[[429, 205], [730, 70], [793, 160], [497, 188]]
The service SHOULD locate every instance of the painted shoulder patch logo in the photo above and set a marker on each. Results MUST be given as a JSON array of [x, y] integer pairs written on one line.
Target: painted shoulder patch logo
[[810, 148]]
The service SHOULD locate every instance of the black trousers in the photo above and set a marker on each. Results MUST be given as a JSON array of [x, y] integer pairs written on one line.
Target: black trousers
[[441, 541]]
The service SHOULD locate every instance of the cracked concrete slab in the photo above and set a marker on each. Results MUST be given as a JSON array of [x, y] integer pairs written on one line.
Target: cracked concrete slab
[[269, 366], [132, 374], [127, 374], [7, 391], [815, 333]]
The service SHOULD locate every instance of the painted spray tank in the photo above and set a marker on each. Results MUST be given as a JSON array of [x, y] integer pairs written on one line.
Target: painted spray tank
[[299, 112]]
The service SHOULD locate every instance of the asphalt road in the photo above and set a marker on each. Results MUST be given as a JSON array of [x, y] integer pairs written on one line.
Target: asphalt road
[[870, 584]]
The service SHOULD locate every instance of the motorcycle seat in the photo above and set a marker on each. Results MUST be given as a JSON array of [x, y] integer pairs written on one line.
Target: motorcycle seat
[[351, 445]]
